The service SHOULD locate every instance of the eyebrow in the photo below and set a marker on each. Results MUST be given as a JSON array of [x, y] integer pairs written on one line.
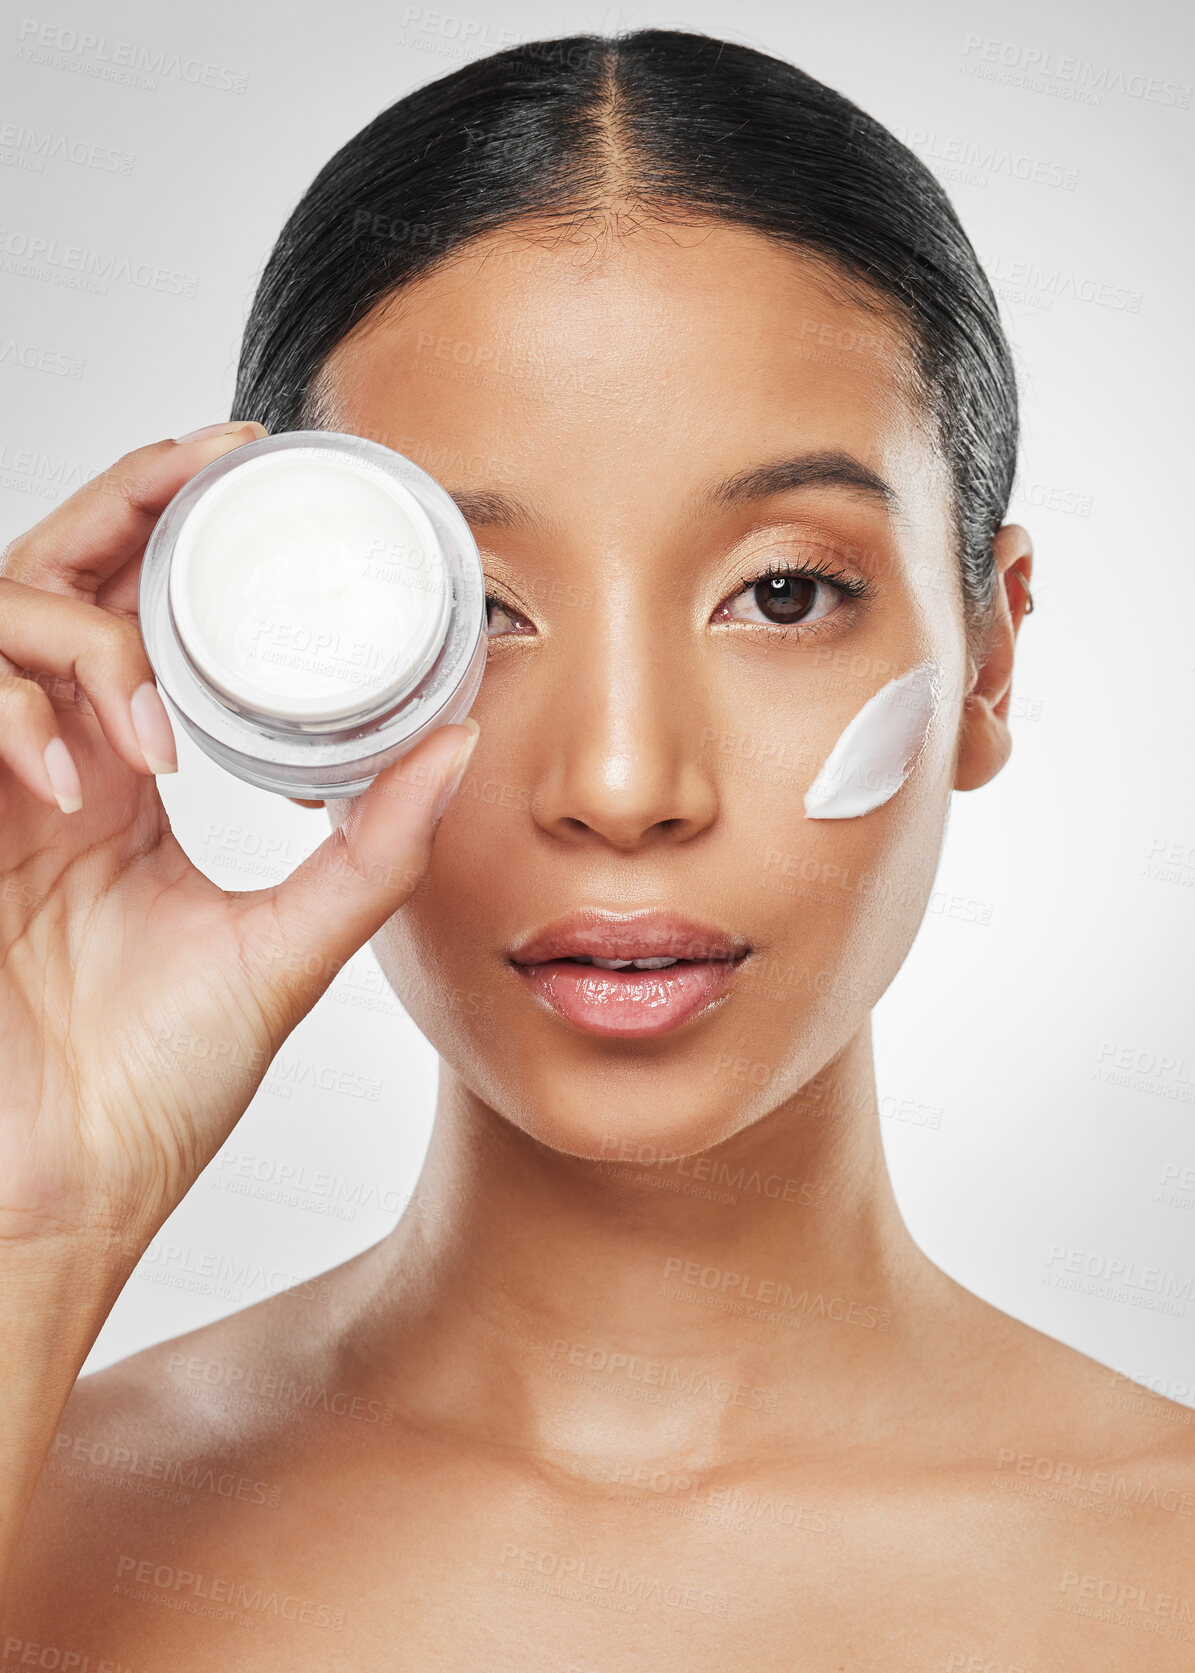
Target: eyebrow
[[488, 508], [827, 469]]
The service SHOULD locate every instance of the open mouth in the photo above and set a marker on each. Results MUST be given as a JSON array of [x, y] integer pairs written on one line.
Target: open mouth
[[628, 974]]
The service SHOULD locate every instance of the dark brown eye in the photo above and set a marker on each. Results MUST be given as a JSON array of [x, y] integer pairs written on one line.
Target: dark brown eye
[[781, 598], [785, 598]]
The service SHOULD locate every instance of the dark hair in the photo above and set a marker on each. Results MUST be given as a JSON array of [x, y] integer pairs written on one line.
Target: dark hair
[[661, 121]]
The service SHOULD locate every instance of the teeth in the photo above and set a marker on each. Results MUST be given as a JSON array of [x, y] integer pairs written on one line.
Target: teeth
[[626, 963]]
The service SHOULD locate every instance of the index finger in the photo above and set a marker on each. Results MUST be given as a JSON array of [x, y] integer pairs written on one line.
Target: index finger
[[96, 531]]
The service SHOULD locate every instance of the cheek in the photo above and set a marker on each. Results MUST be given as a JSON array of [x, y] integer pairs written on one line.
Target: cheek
[[846, 889], [869, 877], [440, 951], [845, 892]]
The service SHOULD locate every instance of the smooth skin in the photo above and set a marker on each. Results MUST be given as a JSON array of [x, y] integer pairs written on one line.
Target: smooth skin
[[540, 1425]]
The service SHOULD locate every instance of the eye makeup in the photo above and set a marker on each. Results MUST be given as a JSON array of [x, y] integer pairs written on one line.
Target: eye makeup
[[877, 749], [791, 580], [313, 605]]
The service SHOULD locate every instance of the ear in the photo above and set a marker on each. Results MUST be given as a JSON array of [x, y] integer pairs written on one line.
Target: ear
[[985, 742]]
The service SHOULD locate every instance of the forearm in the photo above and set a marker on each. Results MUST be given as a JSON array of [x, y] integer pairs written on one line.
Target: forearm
[[54, 1300]]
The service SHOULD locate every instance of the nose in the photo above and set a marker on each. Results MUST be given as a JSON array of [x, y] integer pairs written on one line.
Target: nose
[[622, 719]]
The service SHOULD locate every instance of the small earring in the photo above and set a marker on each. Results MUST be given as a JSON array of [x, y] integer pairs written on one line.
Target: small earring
[[1028, 594]]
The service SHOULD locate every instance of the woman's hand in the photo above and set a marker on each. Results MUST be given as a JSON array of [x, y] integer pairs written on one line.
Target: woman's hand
[[140, 1004]]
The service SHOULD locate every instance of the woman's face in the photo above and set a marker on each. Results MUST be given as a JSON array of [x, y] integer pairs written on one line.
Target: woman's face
[[638, 428]]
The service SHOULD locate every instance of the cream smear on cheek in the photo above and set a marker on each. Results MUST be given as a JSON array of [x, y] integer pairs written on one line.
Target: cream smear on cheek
[[877, 750]]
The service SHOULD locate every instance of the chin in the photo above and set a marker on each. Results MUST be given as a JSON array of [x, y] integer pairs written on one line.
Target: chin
[[637, 1127]]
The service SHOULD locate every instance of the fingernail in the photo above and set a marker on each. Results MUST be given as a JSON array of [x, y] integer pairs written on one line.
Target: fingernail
[[151, 723], [225, 428], [456, 769], [63, 776]]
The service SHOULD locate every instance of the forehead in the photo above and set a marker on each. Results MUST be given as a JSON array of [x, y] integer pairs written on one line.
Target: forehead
[[676, 352]]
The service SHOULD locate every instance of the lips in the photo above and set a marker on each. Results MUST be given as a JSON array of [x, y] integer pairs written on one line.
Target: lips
[[628, 975]]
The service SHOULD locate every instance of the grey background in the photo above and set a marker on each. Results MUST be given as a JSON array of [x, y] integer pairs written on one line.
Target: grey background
[[1036, 1054]]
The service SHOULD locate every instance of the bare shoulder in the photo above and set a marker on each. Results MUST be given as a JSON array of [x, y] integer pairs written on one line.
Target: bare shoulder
[[184, 1446], [1073, 1401], [1100, 1467], [1018, 1382]]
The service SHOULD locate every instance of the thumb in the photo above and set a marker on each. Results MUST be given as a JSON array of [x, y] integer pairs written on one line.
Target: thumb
[[301, 932]]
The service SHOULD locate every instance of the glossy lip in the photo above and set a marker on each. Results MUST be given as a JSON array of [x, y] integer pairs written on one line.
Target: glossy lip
[[628, 1004]]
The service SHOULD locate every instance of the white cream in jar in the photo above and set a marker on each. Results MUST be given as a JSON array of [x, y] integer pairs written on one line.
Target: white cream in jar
[[313, 604]]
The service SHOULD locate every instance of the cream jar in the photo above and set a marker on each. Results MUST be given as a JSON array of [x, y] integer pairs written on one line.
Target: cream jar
[[312, 605]]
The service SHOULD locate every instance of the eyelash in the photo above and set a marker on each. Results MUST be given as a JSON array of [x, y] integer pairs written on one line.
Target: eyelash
[[813, 570]]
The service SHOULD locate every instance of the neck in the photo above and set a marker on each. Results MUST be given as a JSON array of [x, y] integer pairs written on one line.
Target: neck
[[688, 1302]]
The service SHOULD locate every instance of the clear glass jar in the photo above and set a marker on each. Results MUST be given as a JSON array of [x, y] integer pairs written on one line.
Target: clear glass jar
[[313, 605]]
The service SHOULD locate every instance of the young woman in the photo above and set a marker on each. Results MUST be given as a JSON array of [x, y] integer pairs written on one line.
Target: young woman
[[650, 1374]]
